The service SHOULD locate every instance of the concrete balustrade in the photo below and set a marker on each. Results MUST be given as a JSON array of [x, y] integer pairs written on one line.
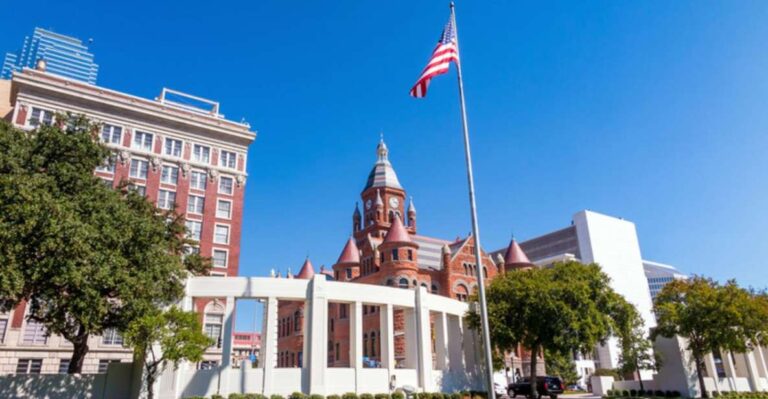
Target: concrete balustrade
[[454, 357]]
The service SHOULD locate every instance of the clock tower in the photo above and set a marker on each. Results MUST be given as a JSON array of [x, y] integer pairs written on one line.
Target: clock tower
[[383, 199]]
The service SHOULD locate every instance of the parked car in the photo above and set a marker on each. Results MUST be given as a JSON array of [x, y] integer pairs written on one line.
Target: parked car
[[549, 386]]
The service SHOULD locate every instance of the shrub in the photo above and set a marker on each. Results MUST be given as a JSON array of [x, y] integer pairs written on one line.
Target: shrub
[[436, 395], [216, 396], [382, 396], [333, 397], [456, 395], [366, 396], [349, 395], [395, 395], [236, 396], [316, 396], [274, 396], [633, 392], [676, 394], [297, 395], [625, 393]]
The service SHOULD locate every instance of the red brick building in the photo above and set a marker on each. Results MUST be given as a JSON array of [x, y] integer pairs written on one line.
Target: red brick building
[[385, 249], [183, 157]]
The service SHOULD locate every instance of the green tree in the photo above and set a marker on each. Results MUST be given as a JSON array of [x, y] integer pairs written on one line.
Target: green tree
[[564, 308], [561, 365], [636, 349], [163, 337], [84, 256], [710, 316]]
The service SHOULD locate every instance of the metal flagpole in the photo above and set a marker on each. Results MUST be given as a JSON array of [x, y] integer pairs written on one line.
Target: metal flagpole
[[475, 228]]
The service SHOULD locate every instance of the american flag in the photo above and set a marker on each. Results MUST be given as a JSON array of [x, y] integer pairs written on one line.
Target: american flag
[[446, 51]]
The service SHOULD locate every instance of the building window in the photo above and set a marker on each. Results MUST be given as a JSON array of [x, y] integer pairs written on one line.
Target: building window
[[112, 337], [462, 294], [40, 116], [373, 344], [201, 153], [343, 310], [34, 333], [212, 327], [138, 189], [224, 209], [297, 321], [172, 147], [107, 167], [169, 175], [29, 366], [338, 352], [195, 204], [197, 180], [395, 255], [410, 254], [111, 134], [166, 199], [221, 236], [139, 168], [403, 283], [208, 365], [348, 272], [228, 159], [63, 366], [434, 289], [365, 344], [219, 258], [142, 141], [194, 228], [104, 363], [331, 325], [3, 326], [226, 185]]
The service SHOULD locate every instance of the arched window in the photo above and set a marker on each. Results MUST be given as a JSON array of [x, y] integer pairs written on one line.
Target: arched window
[[434, 289], [373, 343], [424, 285], [403, 283], [485, 272], [296, 321], [213, 320], [462, 294], [365, 344]]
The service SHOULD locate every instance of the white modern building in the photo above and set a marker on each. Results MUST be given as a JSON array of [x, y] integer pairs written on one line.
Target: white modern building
[[659, 274]]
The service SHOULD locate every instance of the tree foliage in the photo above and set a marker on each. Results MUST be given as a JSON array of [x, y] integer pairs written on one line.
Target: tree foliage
[[562, 366], [636, 347], [565, 308], [710, 316], [84, 256], [177, 334]]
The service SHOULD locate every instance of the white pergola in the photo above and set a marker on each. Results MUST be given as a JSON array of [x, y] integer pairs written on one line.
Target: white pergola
[[456, 354]]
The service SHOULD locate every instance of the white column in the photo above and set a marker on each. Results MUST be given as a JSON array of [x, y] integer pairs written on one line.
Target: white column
[[411, 360], [759, 350], [387, 337], [753, 376], [424, 335], [269, 343], [356, 341], [455, 344], [316, 336], [441, 342], [730, 370], [709, 364], [226, 346]]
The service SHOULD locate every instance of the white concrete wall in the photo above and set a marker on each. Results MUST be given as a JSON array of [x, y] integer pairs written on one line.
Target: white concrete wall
[[613, 244]]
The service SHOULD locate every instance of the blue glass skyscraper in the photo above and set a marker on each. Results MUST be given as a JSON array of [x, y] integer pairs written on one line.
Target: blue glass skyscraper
[[64, 55]]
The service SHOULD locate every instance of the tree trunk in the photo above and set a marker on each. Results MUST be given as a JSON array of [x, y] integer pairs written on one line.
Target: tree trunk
[[80, 349], [639, 377], [151, 376], [697, 359], [532, 378]]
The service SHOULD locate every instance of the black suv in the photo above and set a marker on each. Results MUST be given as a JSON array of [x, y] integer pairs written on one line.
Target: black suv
[[550, 386]]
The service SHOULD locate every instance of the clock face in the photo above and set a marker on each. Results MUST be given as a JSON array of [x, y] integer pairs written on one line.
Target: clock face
[[368, 204], [394, 202]]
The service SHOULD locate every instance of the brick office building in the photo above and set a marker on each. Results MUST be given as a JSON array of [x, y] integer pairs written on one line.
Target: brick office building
[[385, 249], [177, 155]]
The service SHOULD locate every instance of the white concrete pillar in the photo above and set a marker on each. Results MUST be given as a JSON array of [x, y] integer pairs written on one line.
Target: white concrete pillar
[[442, 356], [387, 337], [411, 339], [709, 364], [269, 344], [316, 336], [456, 344], [424, 336], [753, 376], [760, 354], [356, 342], [730, 369], [226, 346]]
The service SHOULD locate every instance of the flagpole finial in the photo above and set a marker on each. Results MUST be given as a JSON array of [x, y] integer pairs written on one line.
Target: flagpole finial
[[452, 5]]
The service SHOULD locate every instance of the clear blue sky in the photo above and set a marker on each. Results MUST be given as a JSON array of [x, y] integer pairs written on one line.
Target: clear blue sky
[[653, 111]]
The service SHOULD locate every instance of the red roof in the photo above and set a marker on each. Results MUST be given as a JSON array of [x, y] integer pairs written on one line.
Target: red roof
[[307, 270], [350, 254], [397, 232], [515, 254]]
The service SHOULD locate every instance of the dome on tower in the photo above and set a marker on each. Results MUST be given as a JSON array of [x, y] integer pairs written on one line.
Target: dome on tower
[[382, 174], [307, 270], [350, 253]]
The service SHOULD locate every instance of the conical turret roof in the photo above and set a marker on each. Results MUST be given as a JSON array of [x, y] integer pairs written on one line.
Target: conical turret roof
[[397, 232], [307, 270], [350, 253], [515, 256]]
